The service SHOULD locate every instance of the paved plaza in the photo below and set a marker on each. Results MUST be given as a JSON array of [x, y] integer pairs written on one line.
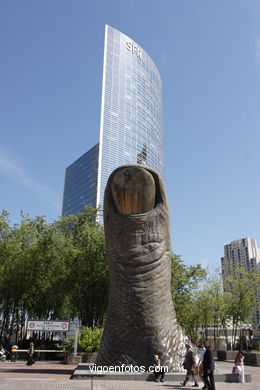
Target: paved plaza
[[55, 376]]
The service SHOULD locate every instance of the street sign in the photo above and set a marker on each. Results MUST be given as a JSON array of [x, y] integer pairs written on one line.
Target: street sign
[[50, 326]]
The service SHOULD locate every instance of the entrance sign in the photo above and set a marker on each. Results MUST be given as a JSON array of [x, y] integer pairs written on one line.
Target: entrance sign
[[51, 326]]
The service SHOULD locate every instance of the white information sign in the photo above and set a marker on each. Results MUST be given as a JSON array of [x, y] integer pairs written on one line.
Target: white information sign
[[52, 326]]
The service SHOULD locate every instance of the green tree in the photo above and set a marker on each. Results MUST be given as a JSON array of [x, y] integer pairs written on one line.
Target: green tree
[[5, 260], [212, 307], [185, 283], [88, 278], [241, 297], [51, 271]]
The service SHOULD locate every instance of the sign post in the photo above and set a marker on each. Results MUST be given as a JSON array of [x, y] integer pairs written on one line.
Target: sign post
[[76, 342], [48, 326]]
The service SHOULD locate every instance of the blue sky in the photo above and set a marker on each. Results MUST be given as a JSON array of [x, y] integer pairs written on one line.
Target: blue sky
[[208, 54]]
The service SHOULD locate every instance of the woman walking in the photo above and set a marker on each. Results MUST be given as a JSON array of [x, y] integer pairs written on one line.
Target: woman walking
[[239, 363]]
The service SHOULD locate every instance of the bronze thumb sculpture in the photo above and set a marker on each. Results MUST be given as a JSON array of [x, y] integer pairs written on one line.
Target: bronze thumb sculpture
[[141, 320]]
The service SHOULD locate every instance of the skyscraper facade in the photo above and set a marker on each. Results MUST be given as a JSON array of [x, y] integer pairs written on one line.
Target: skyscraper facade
[[80, 187], [131, 108], [245, 254], [131, 113]]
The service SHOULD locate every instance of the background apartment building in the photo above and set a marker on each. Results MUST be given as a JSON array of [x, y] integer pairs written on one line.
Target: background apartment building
[[245, 254]]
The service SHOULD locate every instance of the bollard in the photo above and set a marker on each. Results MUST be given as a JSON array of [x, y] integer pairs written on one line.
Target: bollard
[[14, 353], [65, 356]]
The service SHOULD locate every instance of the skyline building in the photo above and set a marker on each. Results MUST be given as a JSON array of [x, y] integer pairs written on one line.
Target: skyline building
[[81, 182], [130, 123], [245, 254]]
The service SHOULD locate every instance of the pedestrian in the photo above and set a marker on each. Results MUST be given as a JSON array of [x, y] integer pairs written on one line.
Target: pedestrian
[[30, 355], [202, 350], [189, 365], [208, 367], [158, 369], [239, 363]]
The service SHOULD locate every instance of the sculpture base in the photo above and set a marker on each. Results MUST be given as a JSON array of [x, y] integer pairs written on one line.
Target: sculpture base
[[83, 371]]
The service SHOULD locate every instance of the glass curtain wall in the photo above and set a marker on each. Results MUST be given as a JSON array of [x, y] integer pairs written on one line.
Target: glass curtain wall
[[131, 109]]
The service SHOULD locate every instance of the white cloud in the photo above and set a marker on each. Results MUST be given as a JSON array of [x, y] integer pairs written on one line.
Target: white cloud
[[14, 171]]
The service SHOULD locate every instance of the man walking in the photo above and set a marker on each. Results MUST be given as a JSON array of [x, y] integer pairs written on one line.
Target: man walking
[[189, 364], [208, 367], [202, 350]]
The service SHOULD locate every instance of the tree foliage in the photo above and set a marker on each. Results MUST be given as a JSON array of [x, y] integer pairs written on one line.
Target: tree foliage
[[243, 285], [51, 271], [205, 309], [185, 281]]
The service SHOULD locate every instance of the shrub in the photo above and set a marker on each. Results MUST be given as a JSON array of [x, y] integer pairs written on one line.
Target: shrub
[[89, 339]]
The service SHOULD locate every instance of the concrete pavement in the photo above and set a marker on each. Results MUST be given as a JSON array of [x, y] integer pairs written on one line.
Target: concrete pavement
[[55, 376], [50, 370]]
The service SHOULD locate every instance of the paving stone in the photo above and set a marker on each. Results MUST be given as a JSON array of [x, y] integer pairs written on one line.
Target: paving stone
[[50, 376]]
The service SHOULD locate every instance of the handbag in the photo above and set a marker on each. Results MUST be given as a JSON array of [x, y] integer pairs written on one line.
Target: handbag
[[234, 370]]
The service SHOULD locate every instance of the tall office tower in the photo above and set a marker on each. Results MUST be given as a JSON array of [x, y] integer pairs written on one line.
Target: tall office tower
[[243, 254], [131, 115], [131, 108]]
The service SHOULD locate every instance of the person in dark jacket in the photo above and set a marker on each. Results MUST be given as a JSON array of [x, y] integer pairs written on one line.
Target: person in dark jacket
[[30, 355], [189, 365], [208, 367], [158, 369]]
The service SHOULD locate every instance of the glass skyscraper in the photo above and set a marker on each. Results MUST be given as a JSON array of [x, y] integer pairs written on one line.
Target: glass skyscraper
[[131, 114], [80, 187]]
